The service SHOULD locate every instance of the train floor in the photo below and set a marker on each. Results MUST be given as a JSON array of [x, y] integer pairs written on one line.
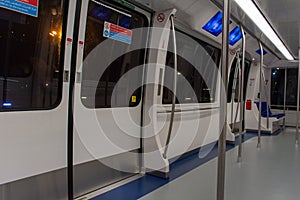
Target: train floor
[[268, 173]]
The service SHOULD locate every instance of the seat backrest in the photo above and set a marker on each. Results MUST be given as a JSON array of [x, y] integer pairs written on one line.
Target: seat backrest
[[264, 111]]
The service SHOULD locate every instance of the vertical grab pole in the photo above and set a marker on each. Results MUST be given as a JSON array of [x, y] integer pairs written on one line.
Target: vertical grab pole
[[223, 102], [242, 95], [267, 100], [284, 93], [260, 84], [174, 88], [298, 93]]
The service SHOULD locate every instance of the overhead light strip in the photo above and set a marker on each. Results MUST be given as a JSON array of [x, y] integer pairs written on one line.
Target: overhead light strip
[[256, 16]]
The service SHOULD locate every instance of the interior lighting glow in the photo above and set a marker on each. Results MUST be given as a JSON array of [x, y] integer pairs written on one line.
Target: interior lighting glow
[[7, 104], [235, 35], [214, 25], [259, 53], [256, 16]]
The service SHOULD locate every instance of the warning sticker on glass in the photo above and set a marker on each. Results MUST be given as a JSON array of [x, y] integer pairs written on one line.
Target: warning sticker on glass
[[116, 32], [28, 7]]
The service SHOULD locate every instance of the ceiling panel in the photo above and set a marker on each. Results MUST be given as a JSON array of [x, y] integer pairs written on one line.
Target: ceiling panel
[[284, 15]]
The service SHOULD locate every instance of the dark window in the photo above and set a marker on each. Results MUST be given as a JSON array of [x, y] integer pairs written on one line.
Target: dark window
[[30, 51], [196, 59], [291, 88], [277, 88], [99, 80]]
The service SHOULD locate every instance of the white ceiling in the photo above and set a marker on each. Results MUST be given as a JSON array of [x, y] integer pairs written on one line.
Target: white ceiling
[[195, 13], [285, 16]]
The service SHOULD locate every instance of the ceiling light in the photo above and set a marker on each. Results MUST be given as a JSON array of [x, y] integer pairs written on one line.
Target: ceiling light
[[214, 25], [256, 16], [235, 35]]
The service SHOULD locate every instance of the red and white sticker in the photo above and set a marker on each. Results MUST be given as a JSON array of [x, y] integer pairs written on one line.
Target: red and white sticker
[[232, 52], [160, 17]]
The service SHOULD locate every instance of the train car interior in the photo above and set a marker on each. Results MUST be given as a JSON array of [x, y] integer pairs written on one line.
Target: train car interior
[[149, 99]]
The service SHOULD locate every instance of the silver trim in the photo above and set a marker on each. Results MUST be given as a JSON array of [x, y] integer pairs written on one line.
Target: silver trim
[[108, 188]]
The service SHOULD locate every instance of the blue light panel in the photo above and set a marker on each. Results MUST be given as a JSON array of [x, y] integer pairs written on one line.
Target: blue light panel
[[235, 35], [259, 53], [214, 25], [7, 104]]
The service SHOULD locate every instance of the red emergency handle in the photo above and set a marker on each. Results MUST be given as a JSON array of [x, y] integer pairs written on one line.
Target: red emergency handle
[[248, 104]]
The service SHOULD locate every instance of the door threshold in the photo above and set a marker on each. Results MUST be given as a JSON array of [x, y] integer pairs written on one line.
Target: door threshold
[[109, 187]]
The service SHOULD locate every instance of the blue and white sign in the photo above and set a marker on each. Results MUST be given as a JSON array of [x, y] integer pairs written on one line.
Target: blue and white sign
[[27, 7], [116, 32]]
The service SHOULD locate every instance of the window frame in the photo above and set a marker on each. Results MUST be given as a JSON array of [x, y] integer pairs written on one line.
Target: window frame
[[199, 40]]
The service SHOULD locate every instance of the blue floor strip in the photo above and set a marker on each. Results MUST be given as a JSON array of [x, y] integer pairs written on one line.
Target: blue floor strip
[[148, 183]]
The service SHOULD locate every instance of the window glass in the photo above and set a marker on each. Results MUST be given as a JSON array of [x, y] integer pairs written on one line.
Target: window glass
[[277, 88], [195, 61], [98, 89], [30, 68], [291, 88]]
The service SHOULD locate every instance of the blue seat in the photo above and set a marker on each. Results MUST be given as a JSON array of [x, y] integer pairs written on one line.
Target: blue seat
[[264, 112]]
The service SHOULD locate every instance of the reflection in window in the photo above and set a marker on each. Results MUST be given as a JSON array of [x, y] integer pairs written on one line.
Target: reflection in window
[[99, 80], [30, 57], [195, 61]]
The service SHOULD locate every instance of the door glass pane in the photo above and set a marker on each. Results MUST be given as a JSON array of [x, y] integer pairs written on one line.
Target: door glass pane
[[100, 79]]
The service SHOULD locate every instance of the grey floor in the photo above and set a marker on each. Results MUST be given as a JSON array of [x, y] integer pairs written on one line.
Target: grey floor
[[271, 173]]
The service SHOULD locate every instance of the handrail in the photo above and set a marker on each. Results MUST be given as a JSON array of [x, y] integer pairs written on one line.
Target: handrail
[[260, 104], [284, 96], [242, 95], [234, 85], [223, 102], [298, 99], [267, 99], [174, 88], [188, 110]]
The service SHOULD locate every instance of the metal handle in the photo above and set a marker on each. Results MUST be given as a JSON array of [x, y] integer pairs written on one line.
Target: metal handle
[[242, 95], [259, 110], [298, 93], [174, 88], [234, 85], [284, 98], [267, 99]]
